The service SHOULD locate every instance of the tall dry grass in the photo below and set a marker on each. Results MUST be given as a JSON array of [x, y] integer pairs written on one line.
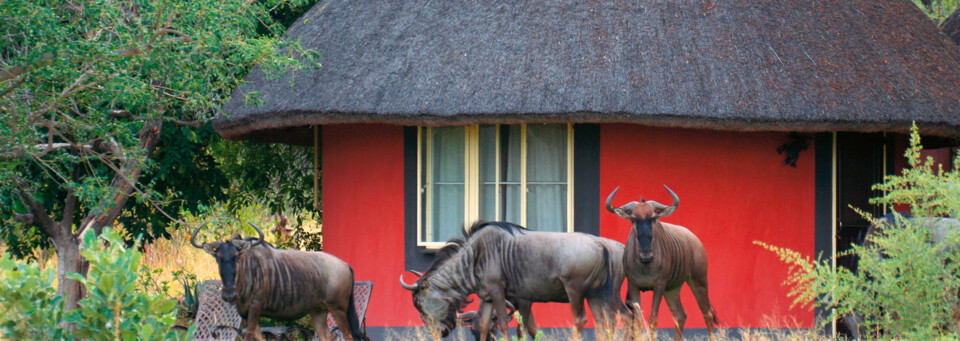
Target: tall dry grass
[[777, 330]]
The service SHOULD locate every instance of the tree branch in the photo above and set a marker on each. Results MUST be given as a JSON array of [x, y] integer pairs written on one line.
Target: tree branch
[[15, 71], [43, 149], [195, 123], [40, 218], [125, 179]]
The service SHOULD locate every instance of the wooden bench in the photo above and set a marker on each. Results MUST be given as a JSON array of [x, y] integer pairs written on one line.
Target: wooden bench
[[218, 320]]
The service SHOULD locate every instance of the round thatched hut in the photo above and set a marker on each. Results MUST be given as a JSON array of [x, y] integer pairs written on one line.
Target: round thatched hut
[[432, 114]]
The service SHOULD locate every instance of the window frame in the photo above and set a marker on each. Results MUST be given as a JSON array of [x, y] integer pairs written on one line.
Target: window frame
[[472, 179]]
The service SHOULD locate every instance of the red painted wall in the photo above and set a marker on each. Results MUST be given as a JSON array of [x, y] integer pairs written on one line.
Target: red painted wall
[[733, 189], [363, 213]]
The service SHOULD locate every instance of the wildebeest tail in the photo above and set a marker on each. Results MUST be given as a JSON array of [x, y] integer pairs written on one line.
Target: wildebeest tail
[[605, 290], [352, 316]]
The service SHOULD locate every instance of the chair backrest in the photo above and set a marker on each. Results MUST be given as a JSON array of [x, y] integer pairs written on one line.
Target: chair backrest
[[214, 312], [361, 296]]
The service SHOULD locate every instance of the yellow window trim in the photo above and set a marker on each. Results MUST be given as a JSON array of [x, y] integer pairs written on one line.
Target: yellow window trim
[[472, 177]]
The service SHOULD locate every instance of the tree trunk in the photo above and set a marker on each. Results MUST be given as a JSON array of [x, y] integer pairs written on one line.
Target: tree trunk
[[69, 260]]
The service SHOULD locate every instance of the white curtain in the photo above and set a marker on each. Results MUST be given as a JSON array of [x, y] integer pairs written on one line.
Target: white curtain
[[547, 177], [447, 185]]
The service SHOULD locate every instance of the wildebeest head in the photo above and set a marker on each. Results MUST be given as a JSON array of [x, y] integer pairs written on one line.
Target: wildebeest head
[[643, 215], [226, 253], [437, 306]]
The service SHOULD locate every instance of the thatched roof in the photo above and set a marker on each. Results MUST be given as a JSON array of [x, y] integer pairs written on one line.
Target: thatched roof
[[951, 26], [786, 65]]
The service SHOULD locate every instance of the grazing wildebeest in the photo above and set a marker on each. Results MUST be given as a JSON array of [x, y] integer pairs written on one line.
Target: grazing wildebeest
[[661, 257], [502, 260], [286, 284], [524, 307]]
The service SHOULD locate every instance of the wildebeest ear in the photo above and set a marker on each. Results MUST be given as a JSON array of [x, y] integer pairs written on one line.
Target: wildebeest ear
[[242, 245], [666, 212], [424, 285], [211, 248]]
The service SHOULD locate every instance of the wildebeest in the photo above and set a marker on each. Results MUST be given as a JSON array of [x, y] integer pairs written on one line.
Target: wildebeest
[[524, 307], [286, 284], [502, 260], [661, 257]]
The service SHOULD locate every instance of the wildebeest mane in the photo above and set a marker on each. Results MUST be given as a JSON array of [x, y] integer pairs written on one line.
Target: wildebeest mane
[[443, 255], [508, 227]]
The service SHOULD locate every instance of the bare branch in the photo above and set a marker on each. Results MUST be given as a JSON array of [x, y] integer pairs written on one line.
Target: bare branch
[[15, 85], [40, 150], [40, 217], [125, 180], [25, 218], [195, 123], [16, 71]]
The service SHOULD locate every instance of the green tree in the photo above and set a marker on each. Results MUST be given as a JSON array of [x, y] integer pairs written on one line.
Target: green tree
[[908, 277], [89, 89]]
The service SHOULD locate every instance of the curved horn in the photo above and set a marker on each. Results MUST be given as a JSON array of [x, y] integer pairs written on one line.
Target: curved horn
[[610, 201], [666, 210], [259, 239], [510, 308], [411, 287], [467, 317], [193, 238], [418, 273]]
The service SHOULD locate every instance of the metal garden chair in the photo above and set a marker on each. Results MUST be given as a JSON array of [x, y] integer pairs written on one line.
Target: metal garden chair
[[218, 320]]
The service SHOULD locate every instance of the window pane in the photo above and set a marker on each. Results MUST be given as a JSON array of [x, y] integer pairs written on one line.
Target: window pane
[[488, 172], [446, 183], [510, 136], [547, 177]]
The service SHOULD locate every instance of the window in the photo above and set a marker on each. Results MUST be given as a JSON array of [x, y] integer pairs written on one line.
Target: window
[[518, 173]]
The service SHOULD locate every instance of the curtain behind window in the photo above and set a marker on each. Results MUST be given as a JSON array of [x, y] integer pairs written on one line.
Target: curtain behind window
[[547, 177], [448, 183]]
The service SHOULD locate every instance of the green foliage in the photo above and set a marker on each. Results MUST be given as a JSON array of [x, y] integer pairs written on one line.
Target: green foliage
[[85, 84], [938, 10], [907, 283], [31, 309], [114, 308]]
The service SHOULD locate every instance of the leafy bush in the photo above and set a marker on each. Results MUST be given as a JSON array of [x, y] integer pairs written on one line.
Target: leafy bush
[[31, 308], [115, 307], [907, 284]]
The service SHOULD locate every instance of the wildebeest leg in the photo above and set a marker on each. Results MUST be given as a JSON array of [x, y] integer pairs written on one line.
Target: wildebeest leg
[[526, 312], [340, 315], [700, 292], [319, 321], [500, 308], [575, 296], [679, 315], [601, 313], [633, 304], [483, 321], [253, 328], [655, 307]]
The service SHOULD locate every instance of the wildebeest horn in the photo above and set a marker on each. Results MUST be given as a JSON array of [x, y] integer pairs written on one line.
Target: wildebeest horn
[[411, 287], [193, 238], [259, 239], [511, 308], [418, 273], [664, 209], [467, 316], [610, 200]]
